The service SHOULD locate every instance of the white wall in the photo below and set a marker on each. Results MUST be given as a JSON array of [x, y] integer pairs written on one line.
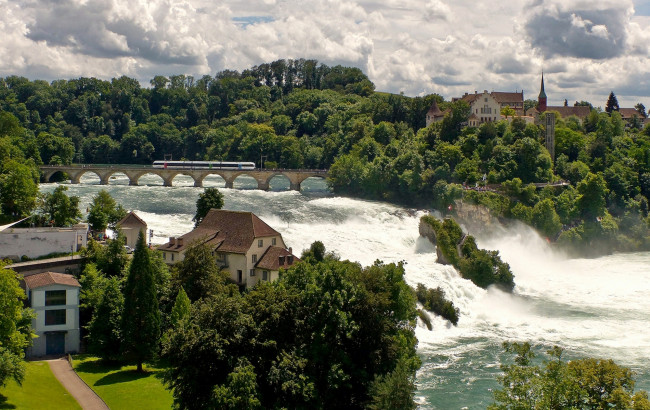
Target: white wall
[[71, 326], [35, 242]]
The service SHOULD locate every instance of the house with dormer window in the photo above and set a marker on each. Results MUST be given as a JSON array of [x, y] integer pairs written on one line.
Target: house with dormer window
[[244, 245]]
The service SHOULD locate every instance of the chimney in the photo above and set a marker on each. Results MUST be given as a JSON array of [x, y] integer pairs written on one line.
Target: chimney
[[179, 241], [172, 241], [290, 250], [484, 91]]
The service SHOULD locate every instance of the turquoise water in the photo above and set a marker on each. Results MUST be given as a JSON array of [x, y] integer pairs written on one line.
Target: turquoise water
[[591, 307]]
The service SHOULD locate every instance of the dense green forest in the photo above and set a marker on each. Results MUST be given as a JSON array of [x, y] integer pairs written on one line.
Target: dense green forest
[[302, 114]]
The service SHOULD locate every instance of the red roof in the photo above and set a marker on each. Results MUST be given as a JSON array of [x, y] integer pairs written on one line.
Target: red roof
[[579, 111], [226, 231], [132, 220], [629, 113], [275, 258], [50, 278]]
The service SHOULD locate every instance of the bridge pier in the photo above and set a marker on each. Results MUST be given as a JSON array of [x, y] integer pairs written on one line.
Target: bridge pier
[[104, 180], [168, 181], [74, 179], [263, 185], [198, 182], [229, 184], [295, 186]]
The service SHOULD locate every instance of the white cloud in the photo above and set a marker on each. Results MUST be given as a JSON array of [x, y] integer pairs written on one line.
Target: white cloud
[[415, 46]]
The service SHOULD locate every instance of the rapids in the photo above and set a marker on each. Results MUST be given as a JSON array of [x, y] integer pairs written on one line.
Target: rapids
[[591, 307]]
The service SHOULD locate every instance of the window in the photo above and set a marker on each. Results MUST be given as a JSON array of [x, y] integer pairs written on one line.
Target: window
[[55, 317], [252, 272], [254, 258], [265, 275], [273, 241], [54, 297], [172, 257], [164, 255], [260, 243]]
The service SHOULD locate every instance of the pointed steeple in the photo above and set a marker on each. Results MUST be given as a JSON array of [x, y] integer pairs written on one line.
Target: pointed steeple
[[542, 94], [541, 99]]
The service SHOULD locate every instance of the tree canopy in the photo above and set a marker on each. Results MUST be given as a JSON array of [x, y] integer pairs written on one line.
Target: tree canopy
[[208, 199], [15, 327], [327, 334]]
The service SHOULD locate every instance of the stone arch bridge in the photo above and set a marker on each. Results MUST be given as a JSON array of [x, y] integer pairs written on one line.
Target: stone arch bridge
[[134, 172]]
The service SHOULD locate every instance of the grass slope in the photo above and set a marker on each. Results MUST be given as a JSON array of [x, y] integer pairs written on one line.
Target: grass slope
[[40, 390], [121, 387]]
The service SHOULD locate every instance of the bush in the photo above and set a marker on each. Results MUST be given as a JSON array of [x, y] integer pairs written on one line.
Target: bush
[[434, 301]]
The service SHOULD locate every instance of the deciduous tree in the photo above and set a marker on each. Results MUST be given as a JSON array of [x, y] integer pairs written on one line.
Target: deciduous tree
[[15, 327], [208, 199]]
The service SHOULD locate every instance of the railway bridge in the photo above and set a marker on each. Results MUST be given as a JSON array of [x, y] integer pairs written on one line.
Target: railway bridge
[[134, 172]]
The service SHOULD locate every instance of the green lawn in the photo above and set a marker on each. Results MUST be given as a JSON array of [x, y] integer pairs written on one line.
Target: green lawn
[[40, 390], [121, 387]]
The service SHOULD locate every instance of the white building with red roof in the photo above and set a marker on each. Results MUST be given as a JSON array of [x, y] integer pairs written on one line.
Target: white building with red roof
[[242, 244], [55, 299]]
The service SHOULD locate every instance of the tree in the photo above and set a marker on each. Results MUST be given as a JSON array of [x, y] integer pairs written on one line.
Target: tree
[[508, 111], [197, 273], [105, 329], [15, 327], [211, 198], [18, 189], [545, 219], [556, 384], [327, 334], [316, 252], [141, 317], [593, 190], [60, 209], [612, 103], [181, 309], [104, 212], [640, 108]]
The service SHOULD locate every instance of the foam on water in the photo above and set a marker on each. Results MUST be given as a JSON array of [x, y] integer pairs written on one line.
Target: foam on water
[[592, 307]]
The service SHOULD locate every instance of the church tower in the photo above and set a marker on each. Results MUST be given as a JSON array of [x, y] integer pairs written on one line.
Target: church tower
[[541, 99]]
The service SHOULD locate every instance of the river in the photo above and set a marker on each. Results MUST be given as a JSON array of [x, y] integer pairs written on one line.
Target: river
[[591, 307]]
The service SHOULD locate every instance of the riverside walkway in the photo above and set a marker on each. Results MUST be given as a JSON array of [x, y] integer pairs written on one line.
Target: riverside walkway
[[134, 172]]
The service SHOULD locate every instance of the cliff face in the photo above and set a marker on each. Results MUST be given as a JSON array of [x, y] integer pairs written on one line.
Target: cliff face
[[428, 232]]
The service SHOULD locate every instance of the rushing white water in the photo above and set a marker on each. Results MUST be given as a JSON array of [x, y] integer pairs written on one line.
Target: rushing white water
[[592, 307]]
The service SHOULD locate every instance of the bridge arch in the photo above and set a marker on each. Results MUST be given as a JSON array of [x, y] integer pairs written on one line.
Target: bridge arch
[[278, 176], [241, 177], [322, 178], [134, 178]]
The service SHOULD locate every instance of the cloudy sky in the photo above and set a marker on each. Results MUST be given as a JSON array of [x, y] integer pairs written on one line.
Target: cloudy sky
[[586, 48]]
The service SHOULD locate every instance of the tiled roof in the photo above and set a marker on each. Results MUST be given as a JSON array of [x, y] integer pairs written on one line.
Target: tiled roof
[[131, 220], [50, 278], [226, 231], [629, 113], [503, 97], [579, 111], [434, 110], [275, 258]]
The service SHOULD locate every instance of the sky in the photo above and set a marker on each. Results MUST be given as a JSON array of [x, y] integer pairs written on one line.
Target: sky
[[585, 48]]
